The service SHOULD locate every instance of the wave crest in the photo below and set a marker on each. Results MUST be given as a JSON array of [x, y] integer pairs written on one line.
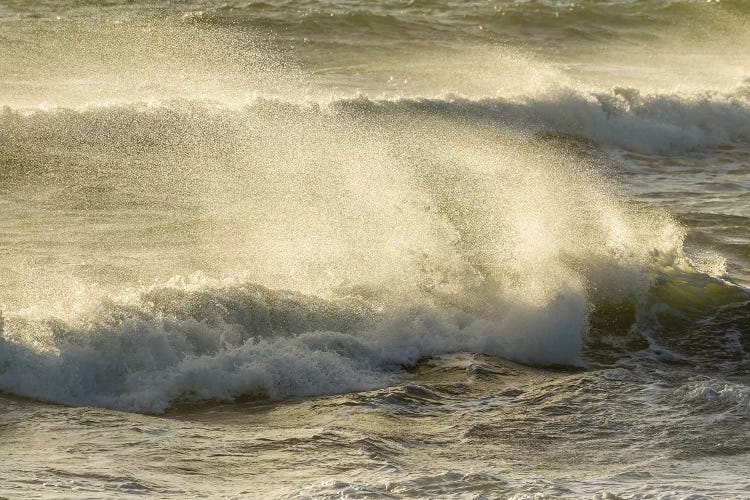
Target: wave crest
[[622, 117]]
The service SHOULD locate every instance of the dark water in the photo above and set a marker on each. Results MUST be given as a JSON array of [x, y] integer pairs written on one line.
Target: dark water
[[395, 249]]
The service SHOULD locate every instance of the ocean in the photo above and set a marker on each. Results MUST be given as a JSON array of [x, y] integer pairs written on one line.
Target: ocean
[[396, 249]]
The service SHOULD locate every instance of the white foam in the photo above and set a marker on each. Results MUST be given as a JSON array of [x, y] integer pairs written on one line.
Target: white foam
[[623, 117], [716, 395], [135, 357], [201, 339]]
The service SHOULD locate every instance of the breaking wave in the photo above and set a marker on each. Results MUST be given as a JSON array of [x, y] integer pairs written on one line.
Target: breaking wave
[[188, 342], [650, 123], [622, 117], [199, 339], [406, 228]]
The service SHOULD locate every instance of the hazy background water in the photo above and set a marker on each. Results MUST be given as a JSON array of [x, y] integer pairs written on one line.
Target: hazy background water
[[375, 249]]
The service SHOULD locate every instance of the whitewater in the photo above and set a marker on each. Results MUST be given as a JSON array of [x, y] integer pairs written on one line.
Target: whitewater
[[426, 249]]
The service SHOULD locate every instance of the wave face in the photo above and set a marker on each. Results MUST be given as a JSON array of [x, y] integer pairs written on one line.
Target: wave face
[[196, 342], [198, 339]]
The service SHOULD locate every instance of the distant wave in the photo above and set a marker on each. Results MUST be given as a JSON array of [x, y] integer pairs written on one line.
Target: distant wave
[[648, 123], [622, 117], [565, 20]]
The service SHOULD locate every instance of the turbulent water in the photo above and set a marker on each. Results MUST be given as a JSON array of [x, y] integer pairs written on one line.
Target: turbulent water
[[423, 248]]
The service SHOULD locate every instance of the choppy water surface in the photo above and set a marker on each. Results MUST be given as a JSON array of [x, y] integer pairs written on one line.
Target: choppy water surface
[[399, 249]]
